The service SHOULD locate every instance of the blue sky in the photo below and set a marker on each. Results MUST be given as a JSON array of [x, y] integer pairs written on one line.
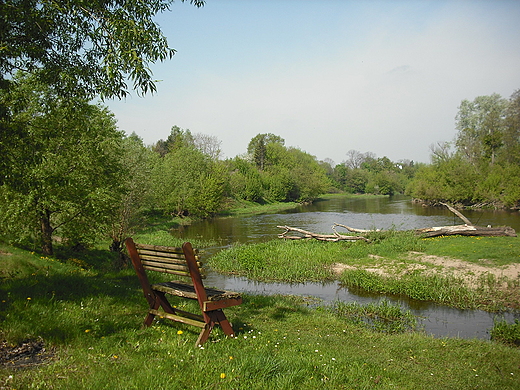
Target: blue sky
[[328, 75]]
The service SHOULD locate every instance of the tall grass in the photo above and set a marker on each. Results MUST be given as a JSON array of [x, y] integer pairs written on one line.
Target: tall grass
[[446, 290], [277, 260], [301, 260]]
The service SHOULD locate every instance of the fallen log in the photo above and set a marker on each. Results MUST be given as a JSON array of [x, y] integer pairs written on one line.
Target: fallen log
[[304, 234], [467, 230]]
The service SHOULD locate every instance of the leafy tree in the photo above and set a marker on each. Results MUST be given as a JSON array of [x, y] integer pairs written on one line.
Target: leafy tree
[[79, 48], [258, 148], [187, 182], [177, 139], [137, 161], [88, 47], [65, 176], [510, 153], [480, 125], [245, 181]]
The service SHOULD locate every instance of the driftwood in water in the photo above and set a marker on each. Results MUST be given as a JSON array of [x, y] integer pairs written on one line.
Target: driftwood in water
[[304, 234], [468, 229]]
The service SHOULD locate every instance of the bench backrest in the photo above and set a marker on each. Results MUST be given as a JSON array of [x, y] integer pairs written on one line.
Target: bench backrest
[[168, 260]]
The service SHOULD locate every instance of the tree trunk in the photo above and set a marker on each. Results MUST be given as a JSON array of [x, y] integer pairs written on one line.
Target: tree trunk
[[466, 230], [46, 232]]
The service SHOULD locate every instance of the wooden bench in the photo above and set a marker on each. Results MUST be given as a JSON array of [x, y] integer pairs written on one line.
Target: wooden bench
[[184, 264]]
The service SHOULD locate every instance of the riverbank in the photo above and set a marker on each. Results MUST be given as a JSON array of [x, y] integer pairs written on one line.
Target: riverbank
[[462, 272], [69, 324]]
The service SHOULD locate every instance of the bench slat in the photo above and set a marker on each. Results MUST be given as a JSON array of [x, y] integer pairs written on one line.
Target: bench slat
[[157, 264], [167, 260], [166, 271], [167, 249]]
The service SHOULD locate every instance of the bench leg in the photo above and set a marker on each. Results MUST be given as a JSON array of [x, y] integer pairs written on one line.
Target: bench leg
[[160, 300], [212, 318]]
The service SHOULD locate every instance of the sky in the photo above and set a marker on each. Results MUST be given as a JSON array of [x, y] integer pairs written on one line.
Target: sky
[[328, 76]]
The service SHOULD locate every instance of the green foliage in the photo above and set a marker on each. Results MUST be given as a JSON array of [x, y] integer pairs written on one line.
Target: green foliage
[[136, 197], [186, 182], [86, 48], [65, 176], [506, 333], [451, 180], [275, 173], [245, 181], [364, 173], [485, 169], [481, 125], [262, 149], [381, 317]]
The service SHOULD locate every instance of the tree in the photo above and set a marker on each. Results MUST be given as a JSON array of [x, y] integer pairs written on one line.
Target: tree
[[510, 153], [480, 126], [137, 161], [354, 159], [87, 47], [258, 148], [79, 48], [208, 144], [65, 176], [187, 182], [177, 139]]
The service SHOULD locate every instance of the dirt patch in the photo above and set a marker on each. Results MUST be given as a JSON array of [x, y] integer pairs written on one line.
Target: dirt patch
[[471, 273], [27, 354]]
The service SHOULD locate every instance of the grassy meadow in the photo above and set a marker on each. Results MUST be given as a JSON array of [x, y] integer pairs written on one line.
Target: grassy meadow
[[88, 315]]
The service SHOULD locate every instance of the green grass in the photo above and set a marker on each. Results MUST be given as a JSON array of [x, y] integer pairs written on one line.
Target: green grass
[[299, 261], [445, 290], [506, 333], [243, 207], [91, 321], [89, 316], [382, 317], [495, 251]]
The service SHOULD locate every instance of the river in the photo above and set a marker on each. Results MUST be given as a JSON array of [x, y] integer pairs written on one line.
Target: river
[[397, 212]]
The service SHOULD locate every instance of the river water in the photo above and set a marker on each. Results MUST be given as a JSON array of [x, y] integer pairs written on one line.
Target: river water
[[396, 212]]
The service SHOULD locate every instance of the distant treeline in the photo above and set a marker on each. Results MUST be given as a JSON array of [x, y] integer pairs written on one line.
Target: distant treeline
[[74, 176]]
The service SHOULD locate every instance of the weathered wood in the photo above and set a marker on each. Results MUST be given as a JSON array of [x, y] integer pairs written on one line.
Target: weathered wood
[[465, 230], [351, 229], [183, 262], [322, 237], [458, 214]]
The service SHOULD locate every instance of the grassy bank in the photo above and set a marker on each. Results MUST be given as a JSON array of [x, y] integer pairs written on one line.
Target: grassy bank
[[392, 263], [89, 321]]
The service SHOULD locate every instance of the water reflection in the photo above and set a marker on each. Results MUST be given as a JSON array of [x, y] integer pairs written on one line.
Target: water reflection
[[396, 212], [437, 320]]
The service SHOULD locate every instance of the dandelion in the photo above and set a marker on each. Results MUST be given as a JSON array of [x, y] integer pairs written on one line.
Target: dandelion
[[87, 330], [222, 375], [28, 298], [179, 332], [231, 358]]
